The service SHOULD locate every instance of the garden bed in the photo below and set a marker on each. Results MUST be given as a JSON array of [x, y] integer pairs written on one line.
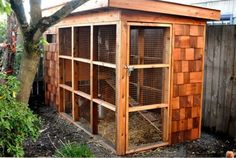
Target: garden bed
[[56, 131]]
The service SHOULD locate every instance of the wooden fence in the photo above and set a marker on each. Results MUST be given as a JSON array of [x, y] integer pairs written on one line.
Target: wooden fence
[[219, 103]]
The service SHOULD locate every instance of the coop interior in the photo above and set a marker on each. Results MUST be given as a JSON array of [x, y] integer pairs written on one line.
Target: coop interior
[[87, 60]]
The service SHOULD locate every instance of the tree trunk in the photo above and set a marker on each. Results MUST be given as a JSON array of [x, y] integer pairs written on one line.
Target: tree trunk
[[28, 70]]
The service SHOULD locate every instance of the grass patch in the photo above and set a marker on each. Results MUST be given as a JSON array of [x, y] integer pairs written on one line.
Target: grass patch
[[73, 150]]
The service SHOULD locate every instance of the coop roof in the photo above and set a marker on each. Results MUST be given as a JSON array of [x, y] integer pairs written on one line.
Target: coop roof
[[154, 6]]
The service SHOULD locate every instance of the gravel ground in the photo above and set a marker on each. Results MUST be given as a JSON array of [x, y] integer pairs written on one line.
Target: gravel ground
[[56, 131]]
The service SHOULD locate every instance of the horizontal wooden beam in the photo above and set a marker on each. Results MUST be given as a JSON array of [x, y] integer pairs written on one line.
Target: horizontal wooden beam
[[167, 8], [147, 107], [99, 63], [138, 149], [105, 104], [82, 94], [82, 60], [146, 66], [65, 57], [65, 87]]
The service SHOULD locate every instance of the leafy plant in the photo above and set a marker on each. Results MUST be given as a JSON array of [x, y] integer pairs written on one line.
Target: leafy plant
[[17, 122], [73, 150], [5, 7]]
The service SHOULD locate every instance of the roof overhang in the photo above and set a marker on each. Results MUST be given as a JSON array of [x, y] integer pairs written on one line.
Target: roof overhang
[[154, 6]]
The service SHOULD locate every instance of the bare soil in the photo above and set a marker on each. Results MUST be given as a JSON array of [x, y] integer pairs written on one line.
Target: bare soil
[[56, 131]]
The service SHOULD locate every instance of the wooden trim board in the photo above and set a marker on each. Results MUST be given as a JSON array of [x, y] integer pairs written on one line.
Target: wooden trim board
[[147, 6], [167, 8]]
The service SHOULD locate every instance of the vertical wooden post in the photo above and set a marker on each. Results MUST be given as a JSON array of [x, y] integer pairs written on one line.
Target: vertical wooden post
[[75, 106], [93, 84], [121, 75], [166, 83]]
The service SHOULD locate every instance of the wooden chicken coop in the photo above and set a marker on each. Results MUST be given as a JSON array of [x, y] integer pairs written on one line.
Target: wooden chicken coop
[[130, 72]]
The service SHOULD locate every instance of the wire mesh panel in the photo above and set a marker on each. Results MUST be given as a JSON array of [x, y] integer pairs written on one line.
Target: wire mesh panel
[[107, 124], [106, 84], [105, 43], [65, 72], [82, 77], [147, 86], [145, 128], [84, 110], [67, 101], [147, 45], [82, 42], [65, 41]]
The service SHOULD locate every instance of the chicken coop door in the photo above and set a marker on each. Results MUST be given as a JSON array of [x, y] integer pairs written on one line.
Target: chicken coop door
[[148, 85]]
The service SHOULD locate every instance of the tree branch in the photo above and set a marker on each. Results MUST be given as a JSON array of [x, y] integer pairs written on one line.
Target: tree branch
[[47, 22], [35, 11], [18, 8]]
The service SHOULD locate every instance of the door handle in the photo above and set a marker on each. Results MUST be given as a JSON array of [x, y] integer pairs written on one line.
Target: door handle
[[130, 69]]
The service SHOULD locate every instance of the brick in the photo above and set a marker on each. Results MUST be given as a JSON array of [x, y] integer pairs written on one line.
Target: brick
[[182, 42], [195, 77], [190, 89], [183, 125], [198, 53], [190, 100], [186, 78], [200, 42], [182, 113], [196, 100], [185, 66], [193, 42], [184, 102], [196, 30], [190, 123], [195, 112], [175, 91], [177, 66], [198, 65], [175, 115], [181, 29], [175, 126], [48, 55], [188, 113], [180, 78], [187, 135], [192, 66], [194, 133], [189, 54], [181, 136], [196, 122], [179, 54], [175, 103], [174, 138]]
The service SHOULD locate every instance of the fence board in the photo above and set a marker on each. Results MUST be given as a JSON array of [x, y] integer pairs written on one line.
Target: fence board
[[219, 104]]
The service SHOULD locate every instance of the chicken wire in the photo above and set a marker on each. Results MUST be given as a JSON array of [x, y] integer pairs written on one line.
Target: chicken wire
[[82, 42], [106, 84], [152, 41], [84, 110], [105, 43], [65, 41], [146, 86], [65, 72], [82, 77]]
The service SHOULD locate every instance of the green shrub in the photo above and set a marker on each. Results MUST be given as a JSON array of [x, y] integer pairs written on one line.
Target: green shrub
[[17, 122], [73, 150]]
